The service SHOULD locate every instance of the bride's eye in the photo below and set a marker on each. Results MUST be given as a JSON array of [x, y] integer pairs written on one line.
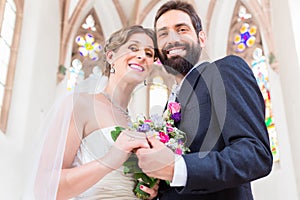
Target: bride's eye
[[133, 48], [149, 54]]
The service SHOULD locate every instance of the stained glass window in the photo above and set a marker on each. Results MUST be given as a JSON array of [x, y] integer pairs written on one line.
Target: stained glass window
[[245, 41], [76, 74], [88, 47], [89, 23], [243, 14], [245, 38], [87, 50]]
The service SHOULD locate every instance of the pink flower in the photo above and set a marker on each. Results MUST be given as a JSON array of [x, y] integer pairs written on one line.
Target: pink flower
[[148, 120], [174, 107], [169, 125], [164, 138], [178, 151], [170, 129]]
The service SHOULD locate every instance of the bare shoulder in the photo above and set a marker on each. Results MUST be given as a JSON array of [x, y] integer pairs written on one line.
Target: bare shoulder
[[82, 100], [89, 106]]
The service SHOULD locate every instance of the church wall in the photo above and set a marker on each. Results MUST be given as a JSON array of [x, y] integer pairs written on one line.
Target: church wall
[[286, 34], [281, 183], [33, 91]]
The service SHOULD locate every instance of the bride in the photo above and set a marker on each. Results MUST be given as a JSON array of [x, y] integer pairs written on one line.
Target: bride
[[91, 165]]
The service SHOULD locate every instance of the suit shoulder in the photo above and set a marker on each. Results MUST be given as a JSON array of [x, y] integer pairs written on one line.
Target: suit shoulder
[[233, 63], [231, 60]]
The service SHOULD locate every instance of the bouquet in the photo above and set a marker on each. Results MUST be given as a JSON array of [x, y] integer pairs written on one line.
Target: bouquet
[[162, 128]]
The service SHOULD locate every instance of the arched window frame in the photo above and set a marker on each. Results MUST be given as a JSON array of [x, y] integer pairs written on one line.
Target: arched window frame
[[88, 64], [8, 86]]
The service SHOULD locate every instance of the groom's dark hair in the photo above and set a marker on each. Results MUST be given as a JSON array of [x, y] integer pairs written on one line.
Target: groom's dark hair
[[182, 6]]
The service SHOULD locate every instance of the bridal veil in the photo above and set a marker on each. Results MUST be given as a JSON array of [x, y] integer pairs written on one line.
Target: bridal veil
[[47, 153]]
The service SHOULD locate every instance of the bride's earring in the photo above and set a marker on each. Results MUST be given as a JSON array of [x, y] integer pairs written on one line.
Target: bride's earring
[[112, 69], [145, 83]]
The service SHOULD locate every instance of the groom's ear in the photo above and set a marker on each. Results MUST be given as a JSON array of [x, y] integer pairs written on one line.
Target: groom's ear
[[202, 38], [109, 56]]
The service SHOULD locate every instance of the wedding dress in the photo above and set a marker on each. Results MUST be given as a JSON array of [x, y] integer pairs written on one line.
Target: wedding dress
[[115, 185]]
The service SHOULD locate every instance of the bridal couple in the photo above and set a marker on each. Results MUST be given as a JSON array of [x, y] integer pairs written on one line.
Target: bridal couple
[[222, 115]]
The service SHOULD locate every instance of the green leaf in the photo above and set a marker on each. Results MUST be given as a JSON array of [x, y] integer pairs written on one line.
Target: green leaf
[[131, 165], [144, 177], [153, 182], [168, 182], [115, 133], [149, 181], [62, 69], [126, 170]]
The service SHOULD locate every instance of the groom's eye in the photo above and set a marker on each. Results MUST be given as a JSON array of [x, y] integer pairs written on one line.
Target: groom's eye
[[182, 29], [162, 33]]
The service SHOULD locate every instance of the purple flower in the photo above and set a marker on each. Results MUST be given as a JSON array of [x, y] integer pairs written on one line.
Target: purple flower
[[180, 142], [176, 117], [144, 128]]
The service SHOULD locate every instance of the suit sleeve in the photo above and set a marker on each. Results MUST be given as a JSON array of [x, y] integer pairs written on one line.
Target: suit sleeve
[[245, 152]]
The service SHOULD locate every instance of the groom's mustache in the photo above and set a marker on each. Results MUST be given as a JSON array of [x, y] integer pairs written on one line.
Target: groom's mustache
[[166, 49]]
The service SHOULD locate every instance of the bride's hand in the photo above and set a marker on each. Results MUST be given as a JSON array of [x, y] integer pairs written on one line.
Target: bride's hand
[[151, 191], [128, 141]]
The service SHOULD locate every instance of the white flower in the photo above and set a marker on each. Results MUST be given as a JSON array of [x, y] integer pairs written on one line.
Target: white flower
[[157, 120]]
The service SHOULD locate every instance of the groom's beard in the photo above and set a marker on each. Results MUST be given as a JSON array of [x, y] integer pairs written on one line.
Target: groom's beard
[[181, 65]]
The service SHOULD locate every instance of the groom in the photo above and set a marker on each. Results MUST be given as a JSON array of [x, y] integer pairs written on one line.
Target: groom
[[222, 115]]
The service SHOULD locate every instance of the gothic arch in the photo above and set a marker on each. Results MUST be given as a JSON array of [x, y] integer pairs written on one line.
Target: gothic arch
[[67, 28], [140, 17], [210, 11], [145, 11]]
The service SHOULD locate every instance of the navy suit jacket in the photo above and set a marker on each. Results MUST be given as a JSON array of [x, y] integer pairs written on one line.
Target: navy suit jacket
[[223, 117]]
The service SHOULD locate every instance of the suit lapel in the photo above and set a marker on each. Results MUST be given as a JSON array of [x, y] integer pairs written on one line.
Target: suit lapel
[[189, 84], [189, 103]]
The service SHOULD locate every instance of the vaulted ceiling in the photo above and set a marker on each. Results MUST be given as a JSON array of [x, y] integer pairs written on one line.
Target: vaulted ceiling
[[115, 14]]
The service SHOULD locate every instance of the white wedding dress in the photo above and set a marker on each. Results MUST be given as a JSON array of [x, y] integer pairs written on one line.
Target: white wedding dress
[[115, 185]]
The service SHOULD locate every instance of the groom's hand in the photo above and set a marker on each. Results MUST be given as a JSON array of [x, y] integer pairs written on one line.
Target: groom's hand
[[158, 161]]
